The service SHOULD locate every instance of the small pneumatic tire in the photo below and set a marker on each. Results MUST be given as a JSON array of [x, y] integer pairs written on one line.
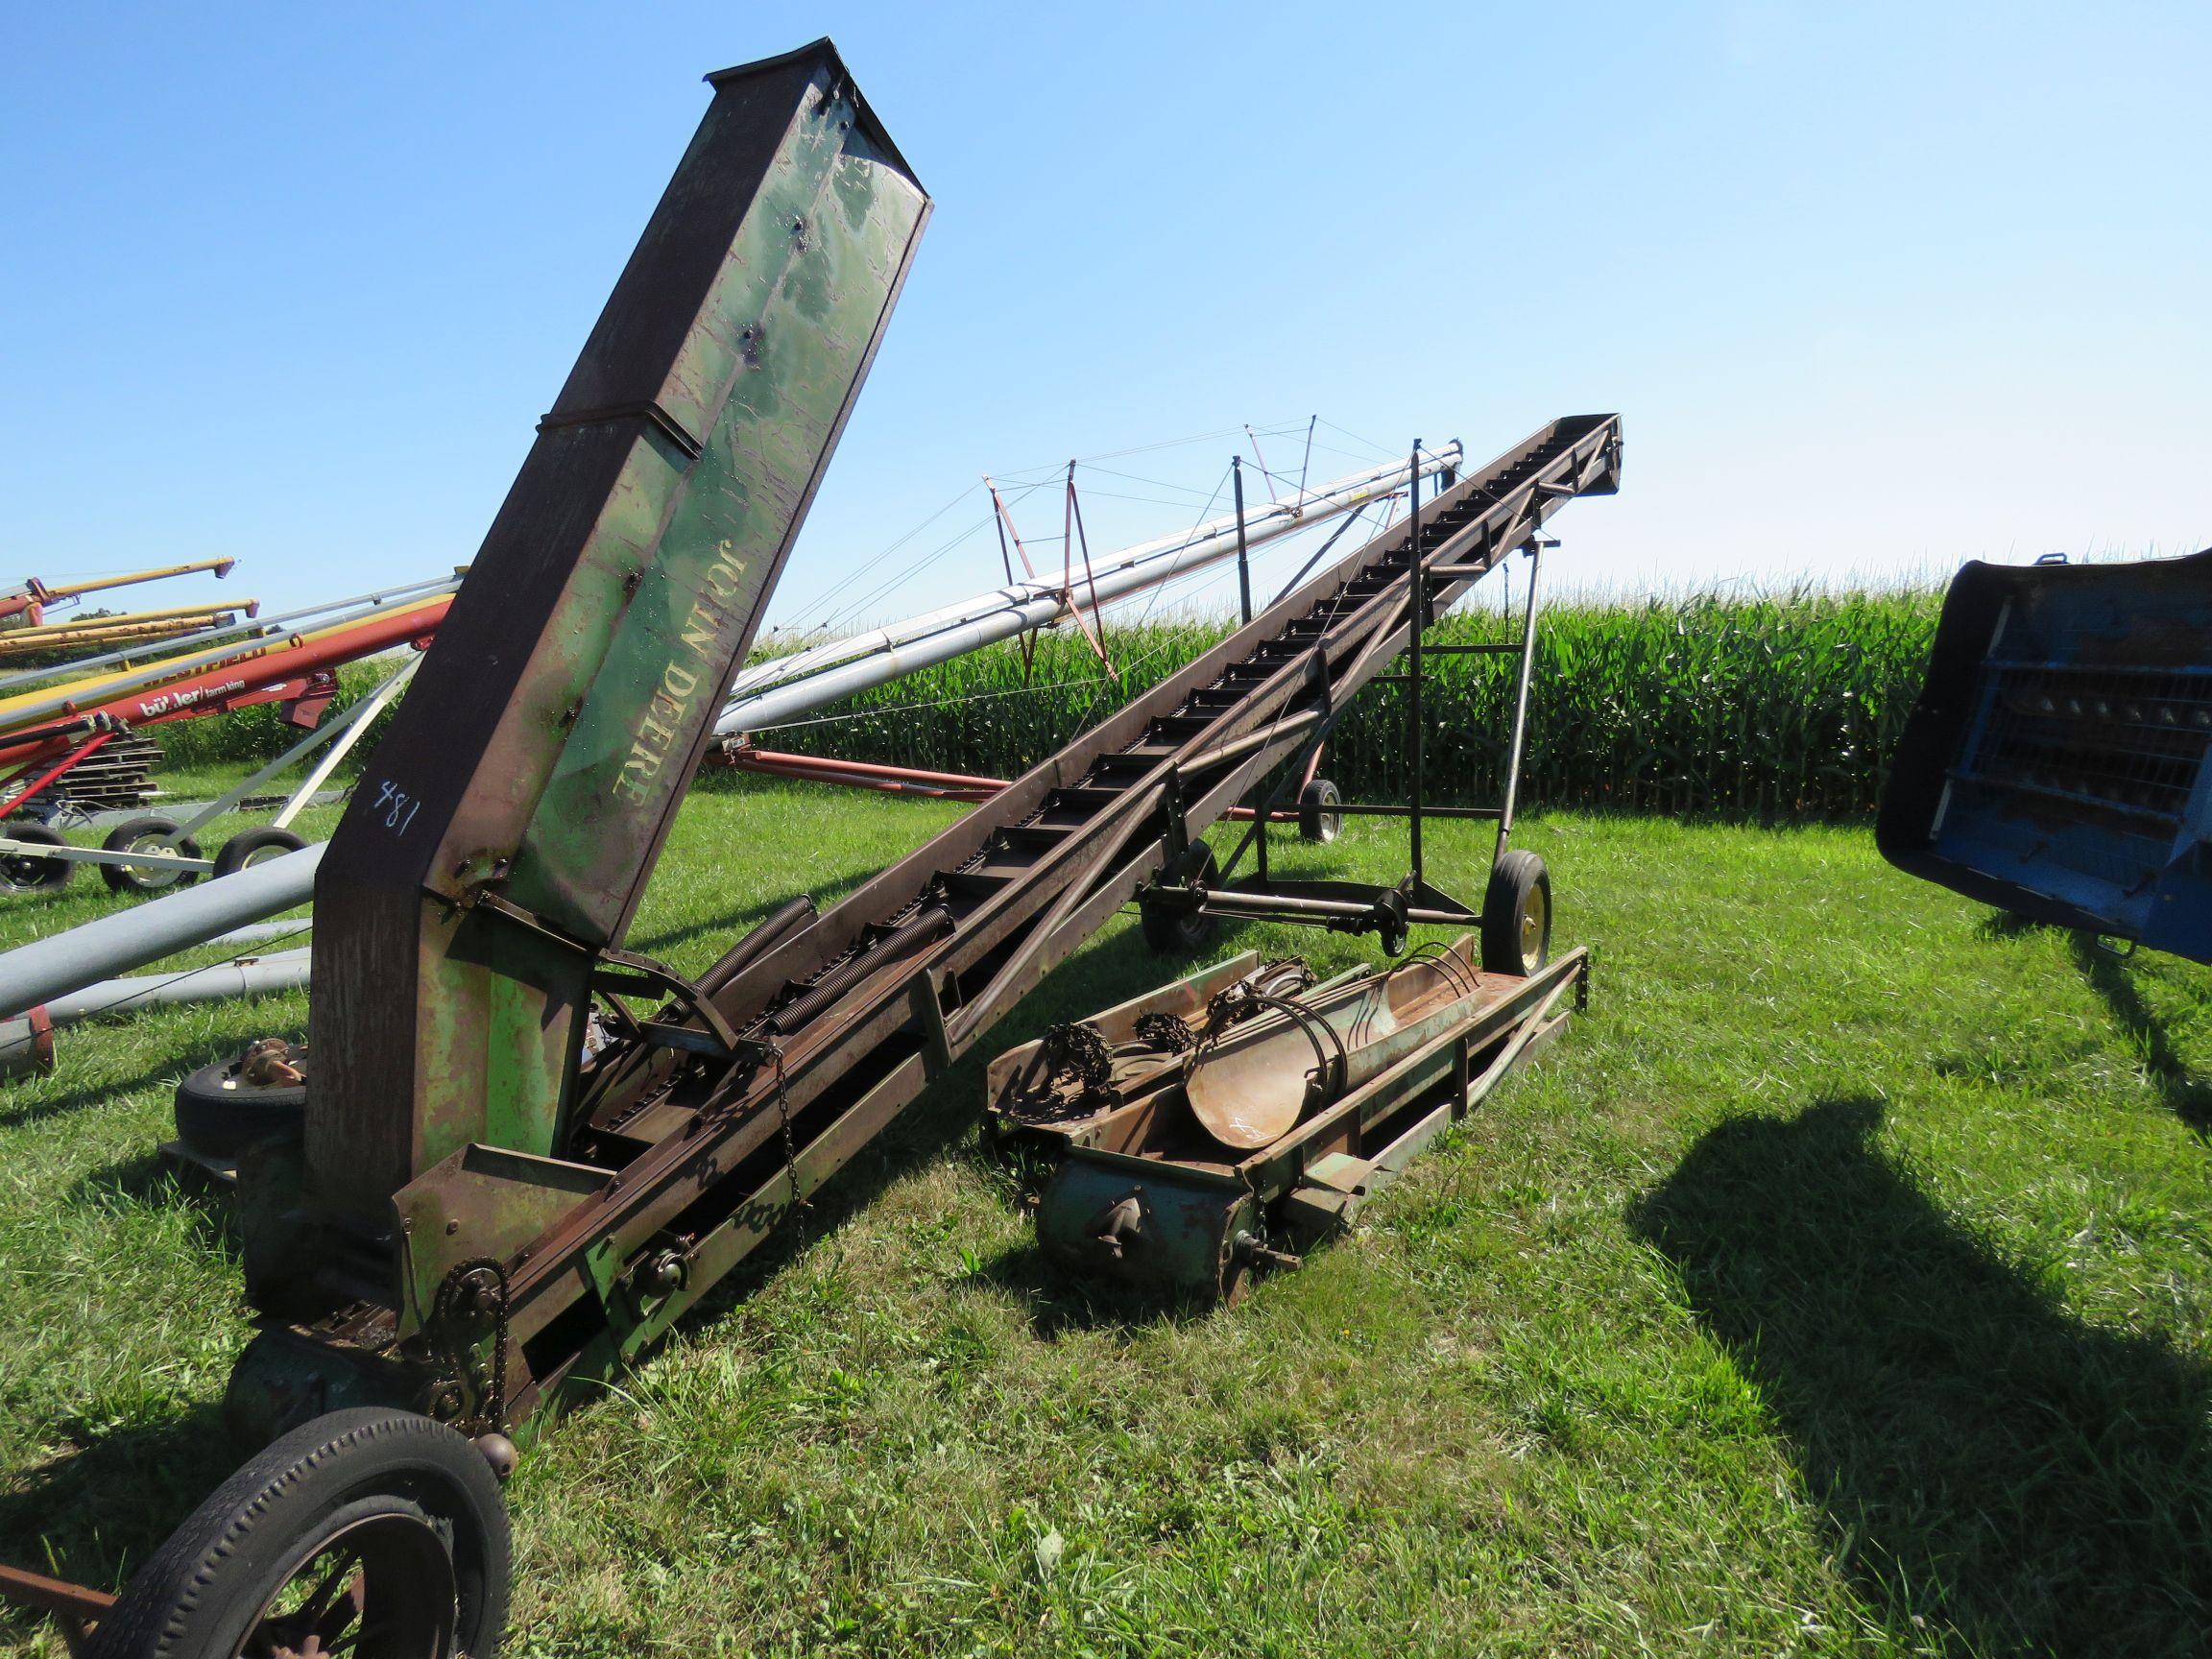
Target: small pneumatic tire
[[1319, 819], [151, 836], [1517, 915], [251, 847], [27, 872], [220, 1115], [401, 1512]]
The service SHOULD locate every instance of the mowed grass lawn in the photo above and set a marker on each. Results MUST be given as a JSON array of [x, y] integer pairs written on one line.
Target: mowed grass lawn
[[1839, 1284]]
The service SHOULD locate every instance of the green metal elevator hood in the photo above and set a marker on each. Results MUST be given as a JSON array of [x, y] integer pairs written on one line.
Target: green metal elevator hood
[[507, 825]]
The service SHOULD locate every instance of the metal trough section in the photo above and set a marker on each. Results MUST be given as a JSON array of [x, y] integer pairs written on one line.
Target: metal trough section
[[1146, 1192], [512, 817]]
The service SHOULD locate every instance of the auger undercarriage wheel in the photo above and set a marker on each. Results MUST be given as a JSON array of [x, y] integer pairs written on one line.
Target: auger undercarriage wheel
[[261, 1095], [1317, 817], [27, 872], [373, 1533], [1517, 915], [1171, 931], [152, 838], [251, 847]]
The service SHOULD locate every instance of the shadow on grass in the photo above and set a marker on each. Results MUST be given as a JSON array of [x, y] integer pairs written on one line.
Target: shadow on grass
[[92, 1514], [36, 1111], [1058, 1302], [150, 1182], [2009, 925], [2185, 1096], [2107, 974], [2020, 1480]]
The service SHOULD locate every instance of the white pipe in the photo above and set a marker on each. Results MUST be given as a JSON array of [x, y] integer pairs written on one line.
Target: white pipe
[[786, 687], [64, 962], [362, 715], [21, 1041]]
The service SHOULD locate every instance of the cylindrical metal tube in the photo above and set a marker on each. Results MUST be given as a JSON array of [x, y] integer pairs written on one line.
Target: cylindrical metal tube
[[131, 578], [254, 637], [20, 1038], [78, 625], [789, 686], [62, 962], [261, 932]]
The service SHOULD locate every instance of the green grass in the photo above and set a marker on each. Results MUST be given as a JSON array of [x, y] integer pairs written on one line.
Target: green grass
[[1840, 1284]]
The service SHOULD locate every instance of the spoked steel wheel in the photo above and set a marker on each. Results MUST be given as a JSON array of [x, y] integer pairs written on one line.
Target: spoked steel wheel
[[371, 1533], [382, 1585]]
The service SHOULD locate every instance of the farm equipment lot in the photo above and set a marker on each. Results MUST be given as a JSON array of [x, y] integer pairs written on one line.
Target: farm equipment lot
[[1841, 1283]]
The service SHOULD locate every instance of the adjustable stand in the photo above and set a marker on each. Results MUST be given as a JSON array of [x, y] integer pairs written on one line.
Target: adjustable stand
[[1203, 889]]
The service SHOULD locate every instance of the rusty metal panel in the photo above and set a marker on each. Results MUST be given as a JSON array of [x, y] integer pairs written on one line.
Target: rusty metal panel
[[508, 825]]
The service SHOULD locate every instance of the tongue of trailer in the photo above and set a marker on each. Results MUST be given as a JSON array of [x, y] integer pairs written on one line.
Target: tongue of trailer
[[498, 844]]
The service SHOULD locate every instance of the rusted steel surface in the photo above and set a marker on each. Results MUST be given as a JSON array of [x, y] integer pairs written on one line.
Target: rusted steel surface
[[74, 1608], [859, 775], [511, 819], [719, 1114], [1173, 1191]]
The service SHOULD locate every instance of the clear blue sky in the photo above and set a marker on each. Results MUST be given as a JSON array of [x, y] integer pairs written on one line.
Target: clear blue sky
[[1875, 290]]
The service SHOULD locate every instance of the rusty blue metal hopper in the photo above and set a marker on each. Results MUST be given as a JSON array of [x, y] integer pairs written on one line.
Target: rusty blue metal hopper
[[2053, 765]]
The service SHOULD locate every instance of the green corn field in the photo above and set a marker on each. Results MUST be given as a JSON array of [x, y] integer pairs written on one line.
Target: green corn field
[[1770, 708]]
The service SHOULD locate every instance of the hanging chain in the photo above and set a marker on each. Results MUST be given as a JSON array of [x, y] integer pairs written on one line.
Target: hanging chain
[[800, 1204]]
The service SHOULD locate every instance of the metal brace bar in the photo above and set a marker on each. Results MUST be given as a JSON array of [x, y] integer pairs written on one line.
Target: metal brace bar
[[350, 721]]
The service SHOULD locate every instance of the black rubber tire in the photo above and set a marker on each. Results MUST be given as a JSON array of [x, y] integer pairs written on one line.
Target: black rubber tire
[[1171, 932], [133, 833], [254, 847], [1316, 820], [26, 872], [202, 1592], [220, 1121], [1517, 915]]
